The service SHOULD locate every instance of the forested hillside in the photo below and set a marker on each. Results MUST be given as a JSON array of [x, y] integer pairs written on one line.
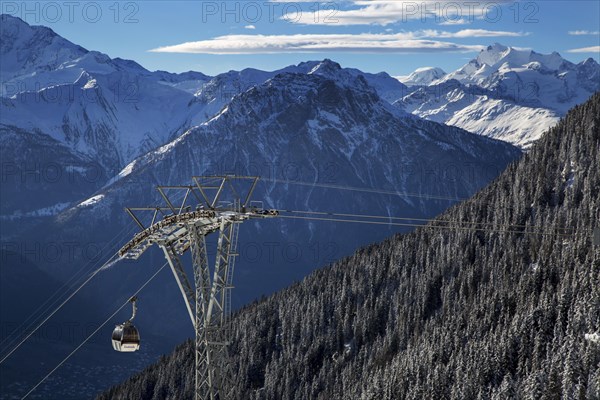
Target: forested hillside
[[480, 311]]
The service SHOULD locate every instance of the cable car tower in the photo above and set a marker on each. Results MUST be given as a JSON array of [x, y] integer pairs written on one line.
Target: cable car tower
[[211, 204]]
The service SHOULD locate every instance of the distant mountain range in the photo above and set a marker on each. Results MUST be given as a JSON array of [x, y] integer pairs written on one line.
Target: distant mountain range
[[505, 93], [105, 112]]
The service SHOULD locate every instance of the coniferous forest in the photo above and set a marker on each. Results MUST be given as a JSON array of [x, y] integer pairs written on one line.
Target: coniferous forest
[[502, 303]]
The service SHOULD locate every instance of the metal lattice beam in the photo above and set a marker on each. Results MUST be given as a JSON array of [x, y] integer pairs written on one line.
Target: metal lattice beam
[[187, 292], [204, 380], [220, 306]]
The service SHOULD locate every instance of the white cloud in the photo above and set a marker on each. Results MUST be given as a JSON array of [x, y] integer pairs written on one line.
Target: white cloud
[[313, 43], [470, 33], [459, 21], [385, 12], [583, 32], [251, 27], [592, 49], [417, 41]]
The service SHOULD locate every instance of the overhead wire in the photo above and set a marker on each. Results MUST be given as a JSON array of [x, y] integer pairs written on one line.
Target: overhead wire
[[110, 260], [487, 226], [93, 333], [448, 227], [365, 190], [113, 243], [508, 228]]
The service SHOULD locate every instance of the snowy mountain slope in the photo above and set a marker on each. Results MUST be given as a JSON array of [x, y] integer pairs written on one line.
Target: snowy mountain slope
[[90, 121], [26, 50], [109, 110], [499, 119], [218, 91], [111, 118], [422, 76], [326, 111], [61, 98], [479, 111], [388, 88]]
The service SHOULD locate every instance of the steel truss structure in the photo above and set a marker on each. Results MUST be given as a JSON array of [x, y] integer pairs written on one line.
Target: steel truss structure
[[211, 204]]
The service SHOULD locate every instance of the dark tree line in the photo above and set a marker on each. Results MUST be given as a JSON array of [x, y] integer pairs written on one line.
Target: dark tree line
[[489, 312]]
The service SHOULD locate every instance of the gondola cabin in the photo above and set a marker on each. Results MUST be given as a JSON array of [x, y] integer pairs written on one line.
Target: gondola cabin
[[125, 337]]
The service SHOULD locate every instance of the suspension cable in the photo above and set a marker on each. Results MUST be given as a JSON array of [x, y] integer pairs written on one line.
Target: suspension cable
[[115, 258], [366, 190], [449, 227], [93, 333], [510, 228], [437, 220], [52, 301]]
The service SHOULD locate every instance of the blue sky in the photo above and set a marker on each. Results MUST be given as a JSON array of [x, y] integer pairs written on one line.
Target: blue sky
[[396, 36]]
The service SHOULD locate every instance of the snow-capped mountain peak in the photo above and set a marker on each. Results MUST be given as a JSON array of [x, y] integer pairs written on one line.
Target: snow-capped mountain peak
[[422, 76], [26, 49], [501, 59], [326, 67], [535, 79], [500, 55], [492, 54]]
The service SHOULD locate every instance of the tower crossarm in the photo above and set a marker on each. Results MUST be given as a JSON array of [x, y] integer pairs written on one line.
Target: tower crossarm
[[173, 228]]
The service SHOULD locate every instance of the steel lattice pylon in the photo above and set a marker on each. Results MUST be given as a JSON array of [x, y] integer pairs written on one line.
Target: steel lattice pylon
[[177, 229]]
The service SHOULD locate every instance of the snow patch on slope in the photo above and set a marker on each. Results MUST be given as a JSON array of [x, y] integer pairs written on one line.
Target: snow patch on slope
[[42, 212], [91, 201]]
